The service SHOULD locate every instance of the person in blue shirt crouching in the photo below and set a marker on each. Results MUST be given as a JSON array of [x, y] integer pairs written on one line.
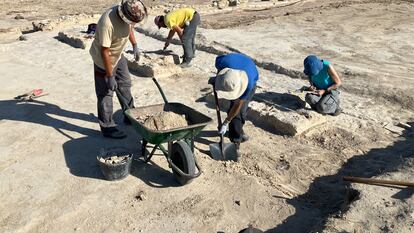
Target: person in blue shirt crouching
[[235, 81], [324, 81]]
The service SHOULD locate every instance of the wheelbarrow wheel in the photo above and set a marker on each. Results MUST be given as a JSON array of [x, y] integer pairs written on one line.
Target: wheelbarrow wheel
[[183, 158]]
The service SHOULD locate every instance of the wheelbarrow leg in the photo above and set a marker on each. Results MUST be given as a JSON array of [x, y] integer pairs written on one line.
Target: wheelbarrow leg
[[147, 159], [144, 147]]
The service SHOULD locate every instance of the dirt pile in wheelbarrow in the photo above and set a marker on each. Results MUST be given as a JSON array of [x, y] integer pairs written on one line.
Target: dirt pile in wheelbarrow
[[163, 121]]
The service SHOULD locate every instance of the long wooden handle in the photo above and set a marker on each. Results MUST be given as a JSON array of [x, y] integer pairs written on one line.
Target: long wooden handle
[[376, 181], [219, 122]]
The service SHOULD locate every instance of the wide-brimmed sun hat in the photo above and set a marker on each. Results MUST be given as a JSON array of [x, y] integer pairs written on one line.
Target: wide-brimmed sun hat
[[231, 83], [313, 65], [132, 11]]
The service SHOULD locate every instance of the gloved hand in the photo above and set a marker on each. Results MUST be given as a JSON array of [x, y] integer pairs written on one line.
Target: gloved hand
[[111, 83], [224, 127], [212, 80], [136, 52]]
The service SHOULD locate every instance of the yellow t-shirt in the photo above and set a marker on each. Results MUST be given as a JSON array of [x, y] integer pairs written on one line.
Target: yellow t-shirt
[[178, 17], [111, 32]]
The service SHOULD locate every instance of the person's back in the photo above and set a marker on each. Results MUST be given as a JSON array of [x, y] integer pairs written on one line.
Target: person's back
[[323, 80], [178, 17], [240, 62]]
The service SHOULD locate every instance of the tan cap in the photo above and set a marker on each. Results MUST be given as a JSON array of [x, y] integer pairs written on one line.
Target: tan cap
[[231, 83]]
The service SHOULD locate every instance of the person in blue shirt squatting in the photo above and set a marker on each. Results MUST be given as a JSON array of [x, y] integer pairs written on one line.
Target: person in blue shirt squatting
[[235, 81], [324, 83]]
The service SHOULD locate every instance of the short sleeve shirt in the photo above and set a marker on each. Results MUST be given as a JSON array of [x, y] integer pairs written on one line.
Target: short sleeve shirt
[[111, 32], [240, 62], [323, 80], [178, 17]]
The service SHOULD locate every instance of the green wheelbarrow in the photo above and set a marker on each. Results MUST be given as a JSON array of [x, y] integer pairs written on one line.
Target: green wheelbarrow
[[180, 141]]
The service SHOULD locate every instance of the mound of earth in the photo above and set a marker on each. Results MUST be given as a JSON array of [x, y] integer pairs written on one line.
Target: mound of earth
[[163, 121]]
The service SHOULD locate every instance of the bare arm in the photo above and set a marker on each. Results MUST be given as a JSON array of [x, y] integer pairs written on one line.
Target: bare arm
[[107, 61], [335, 78], [132, 35], [170, 35], [235, 110], [179, 32]]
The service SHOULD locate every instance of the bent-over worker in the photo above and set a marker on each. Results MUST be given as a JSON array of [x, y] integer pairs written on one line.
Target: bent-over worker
[[111, 72], [235, 81], [184, 22]]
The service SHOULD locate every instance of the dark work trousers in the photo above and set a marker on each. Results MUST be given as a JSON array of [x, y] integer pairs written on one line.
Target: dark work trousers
[[326, 104], [104, 95], [189, 35], [236, 125]]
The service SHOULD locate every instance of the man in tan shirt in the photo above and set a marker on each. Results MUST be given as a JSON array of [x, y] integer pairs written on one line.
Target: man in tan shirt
[[114, 28]]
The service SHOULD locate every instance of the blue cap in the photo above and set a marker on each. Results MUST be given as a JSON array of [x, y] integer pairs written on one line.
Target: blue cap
[[313, 65]]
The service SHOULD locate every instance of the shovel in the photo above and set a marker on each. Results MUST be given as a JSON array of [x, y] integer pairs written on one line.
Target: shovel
[[221, 150]]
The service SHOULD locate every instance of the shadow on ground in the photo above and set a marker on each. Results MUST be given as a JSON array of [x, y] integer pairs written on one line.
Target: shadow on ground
[[280, 101], [40, 112], [329, 196]]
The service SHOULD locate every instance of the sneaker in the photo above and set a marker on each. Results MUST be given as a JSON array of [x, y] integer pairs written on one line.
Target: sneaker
[[337, 111], [113, 133], [186, 64]]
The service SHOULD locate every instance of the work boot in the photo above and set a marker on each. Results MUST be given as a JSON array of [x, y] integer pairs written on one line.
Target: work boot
[[337, 111], [113, 132], [186, 64]]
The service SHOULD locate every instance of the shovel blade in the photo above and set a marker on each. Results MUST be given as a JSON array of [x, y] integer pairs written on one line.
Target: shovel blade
[[229, 150]]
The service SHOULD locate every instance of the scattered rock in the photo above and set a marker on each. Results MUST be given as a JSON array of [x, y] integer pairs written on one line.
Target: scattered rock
[[141, 196], [23, 37], [43, 25], [114, 159], [394, 129], [19, 16], [238, 202]]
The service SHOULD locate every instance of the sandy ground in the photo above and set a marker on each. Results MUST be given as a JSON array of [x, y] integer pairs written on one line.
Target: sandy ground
[[51, 182]]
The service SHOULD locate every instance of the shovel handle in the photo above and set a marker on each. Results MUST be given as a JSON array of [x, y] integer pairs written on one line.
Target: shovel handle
[[217, 107], [219, 122], [377, 181]]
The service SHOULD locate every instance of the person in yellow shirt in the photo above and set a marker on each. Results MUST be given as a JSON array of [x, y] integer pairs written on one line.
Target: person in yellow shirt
[[184, 22], [111, 72]]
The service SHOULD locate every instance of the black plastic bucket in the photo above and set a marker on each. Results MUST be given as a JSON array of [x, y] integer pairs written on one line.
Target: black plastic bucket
[[116, 171]]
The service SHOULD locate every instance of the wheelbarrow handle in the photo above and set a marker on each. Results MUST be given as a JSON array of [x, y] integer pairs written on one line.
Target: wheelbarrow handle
[[122, 99], [160, 89]]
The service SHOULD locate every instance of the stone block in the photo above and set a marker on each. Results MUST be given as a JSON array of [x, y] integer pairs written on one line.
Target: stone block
[[283, 120], [155, 64], [76, 37]]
